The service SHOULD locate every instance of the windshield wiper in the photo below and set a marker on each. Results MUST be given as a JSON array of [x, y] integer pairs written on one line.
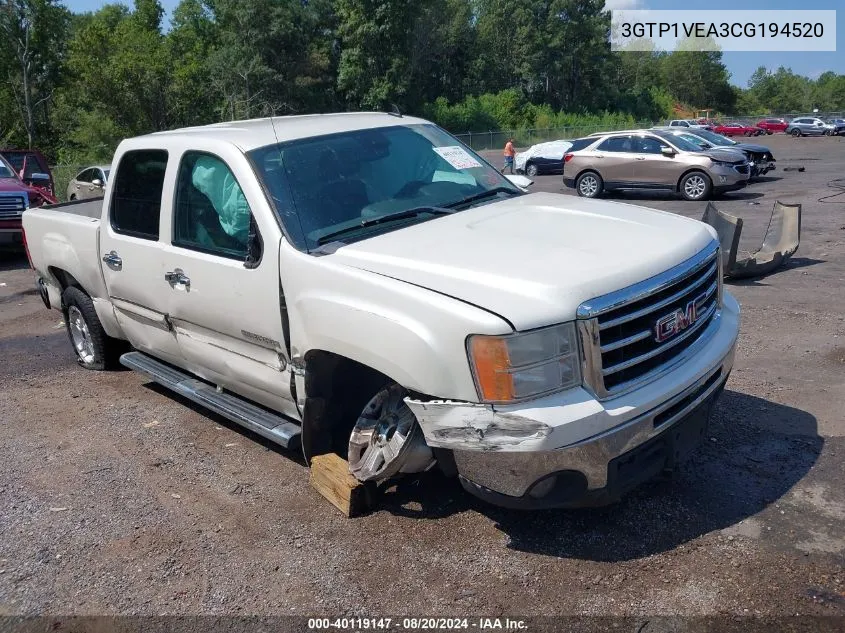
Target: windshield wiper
[[480, 196], [382, 219]]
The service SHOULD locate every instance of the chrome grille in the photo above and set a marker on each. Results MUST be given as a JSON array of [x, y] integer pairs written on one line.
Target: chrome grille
[[619, 334], [12, 206]]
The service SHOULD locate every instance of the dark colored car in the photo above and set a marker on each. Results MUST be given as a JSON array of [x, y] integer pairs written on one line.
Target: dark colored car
[[31, 167], [773, 125], [837, 127], [760, 157], [16, 196]]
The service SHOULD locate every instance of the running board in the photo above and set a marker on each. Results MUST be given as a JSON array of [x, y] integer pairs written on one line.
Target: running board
[[273, 427]]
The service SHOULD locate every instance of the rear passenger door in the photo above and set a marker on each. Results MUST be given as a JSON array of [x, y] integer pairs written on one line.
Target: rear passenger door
[[132, 255], [615, 160], [225, 300]]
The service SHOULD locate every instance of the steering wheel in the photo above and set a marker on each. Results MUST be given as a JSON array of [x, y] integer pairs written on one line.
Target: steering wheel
[[410, 188]]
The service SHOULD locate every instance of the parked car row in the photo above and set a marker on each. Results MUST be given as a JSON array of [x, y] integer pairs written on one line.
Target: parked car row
[[653, 159]]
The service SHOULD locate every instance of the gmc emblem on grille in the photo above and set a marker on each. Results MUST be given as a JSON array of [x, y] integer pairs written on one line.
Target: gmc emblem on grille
[[676, 322]]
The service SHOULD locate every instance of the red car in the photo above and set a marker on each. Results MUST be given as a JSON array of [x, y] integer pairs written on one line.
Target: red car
[[738, 129], [16, 196], [32, 168], [773, 125]]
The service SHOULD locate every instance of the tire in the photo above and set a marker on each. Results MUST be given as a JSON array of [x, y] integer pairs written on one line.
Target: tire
[[828, 133], [386, 439], [796, 133], [589, 185], [94, 348], [72, 197], [531, 170], [695, 186]]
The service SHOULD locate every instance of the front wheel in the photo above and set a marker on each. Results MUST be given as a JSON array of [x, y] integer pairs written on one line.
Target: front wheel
[[531, 170], [828, 133], [589, 185], [386, 440], [695, 186]]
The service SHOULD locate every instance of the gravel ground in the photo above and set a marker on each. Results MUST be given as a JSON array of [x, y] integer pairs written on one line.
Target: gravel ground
[[119, 498]]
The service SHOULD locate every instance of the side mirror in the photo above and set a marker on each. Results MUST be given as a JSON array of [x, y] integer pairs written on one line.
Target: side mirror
[[254, 246], [98, 183], [520, 181], [667, 151]]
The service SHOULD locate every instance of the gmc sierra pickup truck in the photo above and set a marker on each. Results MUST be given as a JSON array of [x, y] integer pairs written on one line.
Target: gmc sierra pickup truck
[[365, 284]]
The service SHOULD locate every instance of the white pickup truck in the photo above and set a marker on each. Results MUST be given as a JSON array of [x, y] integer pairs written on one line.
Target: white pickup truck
[[365, 284]]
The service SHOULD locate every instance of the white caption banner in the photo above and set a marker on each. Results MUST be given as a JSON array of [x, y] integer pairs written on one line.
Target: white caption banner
[[724, 30]]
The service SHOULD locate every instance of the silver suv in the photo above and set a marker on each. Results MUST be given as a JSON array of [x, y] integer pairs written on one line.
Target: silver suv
[[807, 126], [652, 159]]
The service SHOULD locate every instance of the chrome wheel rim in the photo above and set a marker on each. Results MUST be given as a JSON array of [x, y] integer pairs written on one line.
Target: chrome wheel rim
[[387, 439], [695, 186], [531, 170], [589, 186], [80, 335]]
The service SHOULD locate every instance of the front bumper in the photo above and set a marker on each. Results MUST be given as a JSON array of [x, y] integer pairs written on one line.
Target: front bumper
[[569, 448], [602, 469]]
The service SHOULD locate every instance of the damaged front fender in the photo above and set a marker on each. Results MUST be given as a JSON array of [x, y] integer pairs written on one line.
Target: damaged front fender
[[471, 426]]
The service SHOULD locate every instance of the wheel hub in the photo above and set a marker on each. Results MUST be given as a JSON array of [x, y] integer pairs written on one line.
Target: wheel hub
[[80, 335], [387, 440]]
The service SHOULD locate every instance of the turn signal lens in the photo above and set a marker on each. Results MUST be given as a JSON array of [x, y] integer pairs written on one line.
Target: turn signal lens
[[490, 356], [526, 364]]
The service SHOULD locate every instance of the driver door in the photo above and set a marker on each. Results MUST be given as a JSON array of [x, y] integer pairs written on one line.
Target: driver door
[[224, 305]]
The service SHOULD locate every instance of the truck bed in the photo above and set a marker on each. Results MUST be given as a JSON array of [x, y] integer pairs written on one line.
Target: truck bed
[[90, 208], [64, 239]]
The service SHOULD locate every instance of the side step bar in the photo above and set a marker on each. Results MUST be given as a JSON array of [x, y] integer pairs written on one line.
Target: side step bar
[[275, 428]]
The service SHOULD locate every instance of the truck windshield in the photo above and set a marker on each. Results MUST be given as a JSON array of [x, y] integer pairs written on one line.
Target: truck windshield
[[6, 170], [333, 187]]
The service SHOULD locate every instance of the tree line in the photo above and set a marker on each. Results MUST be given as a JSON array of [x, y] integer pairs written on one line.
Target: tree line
[[75, 84]]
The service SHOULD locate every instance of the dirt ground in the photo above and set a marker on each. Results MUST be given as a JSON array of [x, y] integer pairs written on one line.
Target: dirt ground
[[116, 497]]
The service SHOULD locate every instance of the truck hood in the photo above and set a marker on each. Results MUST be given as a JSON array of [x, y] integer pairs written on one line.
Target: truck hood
[[535, 258], [13, 185], [751, 147]]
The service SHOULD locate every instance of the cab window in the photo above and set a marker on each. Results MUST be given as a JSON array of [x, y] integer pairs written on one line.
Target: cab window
[[211, 213], [136, 197]]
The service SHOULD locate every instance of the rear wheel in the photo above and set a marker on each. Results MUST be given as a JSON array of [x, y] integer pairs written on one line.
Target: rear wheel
[[796, 133], [695, 186], [72, 197], [589, 184], [93, 347], [531, 170]]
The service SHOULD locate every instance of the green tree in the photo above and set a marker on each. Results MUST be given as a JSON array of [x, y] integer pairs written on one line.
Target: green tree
[[33, 44]]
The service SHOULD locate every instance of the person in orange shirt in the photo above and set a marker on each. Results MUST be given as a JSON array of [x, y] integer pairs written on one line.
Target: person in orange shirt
[[509, 154]]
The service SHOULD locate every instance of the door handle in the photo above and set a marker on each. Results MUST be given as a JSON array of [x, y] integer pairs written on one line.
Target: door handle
[[113, 259], [639, 158], [599, 155], [177, 276]]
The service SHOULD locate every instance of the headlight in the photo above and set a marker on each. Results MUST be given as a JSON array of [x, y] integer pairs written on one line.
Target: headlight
[[526, 364], [720, 163]]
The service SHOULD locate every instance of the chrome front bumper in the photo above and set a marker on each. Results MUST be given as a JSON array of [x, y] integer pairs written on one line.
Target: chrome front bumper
[[512, 478]]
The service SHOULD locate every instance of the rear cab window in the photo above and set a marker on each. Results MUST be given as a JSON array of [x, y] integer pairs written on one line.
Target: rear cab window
[[136, 195]]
